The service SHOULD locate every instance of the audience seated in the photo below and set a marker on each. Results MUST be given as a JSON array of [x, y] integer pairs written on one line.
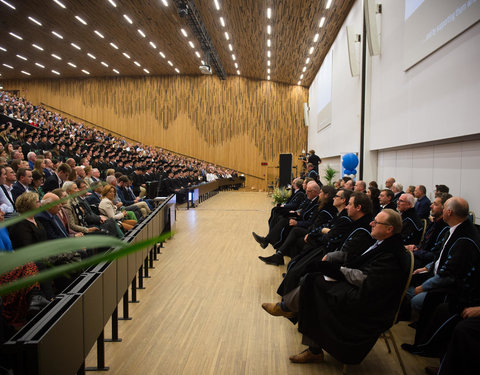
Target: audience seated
[[422, 205], [412, 227]]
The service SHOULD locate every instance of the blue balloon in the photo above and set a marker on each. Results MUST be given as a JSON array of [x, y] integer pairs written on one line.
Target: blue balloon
[[353, 171], [347, 171], [350, 162]]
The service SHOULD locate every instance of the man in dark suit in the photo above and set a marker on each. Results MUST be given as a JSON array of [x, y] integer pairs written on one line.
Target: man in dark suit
[[386, 199], [56, 180], [422, 205], [397, 189], [49, 219], [279, 232], [24, 179], [370, 285], [412, 227], [292, 204]]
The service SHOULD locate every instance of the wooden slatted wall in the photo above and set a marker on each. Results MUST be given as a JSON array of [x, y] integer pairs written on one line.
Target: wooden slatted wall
[[237, 123]]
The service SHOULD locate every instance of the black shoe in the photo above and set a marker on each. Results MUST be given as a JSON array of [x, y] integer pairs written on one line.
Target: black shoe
[[275, 259], [261, 240]]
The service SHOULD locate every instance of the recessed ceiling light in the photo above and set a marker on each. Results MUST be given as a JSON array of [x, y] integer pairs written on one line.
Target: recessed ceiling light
[[56, 56], [269, 43], [227, 36], [126, 55], [161, 54], [299, 82], [230, 47], [198, 54], [146, 71], [222, 22], [40, 65], [322, 22], [35, 21], [136, 63], [60, 3], [268, 77], [184, 32], [80, 19], [72, 65], [99, 34], [113, 3], [310, 51], [268, 70], [57, 34], [26, 73], [217, 5], [304, 69], [238, 72], [329, 2], [129, 20], [3, 49], [91, 56], [8, 4], [315, 38], [268, 63], [301, 76], [269, 13], [37, 46], [141, 33], [153, 45], [55, 72], [236, 65], [75, 46], [233, 57], [269, 29], [269, 53], [178, 71], [165, 3], [86, 71], [190, 43], [104, 64], [170, 63], [203, 62], [116, 71], [16, 36], [8, 66], [22, 57], [307, 60], [114, 45]]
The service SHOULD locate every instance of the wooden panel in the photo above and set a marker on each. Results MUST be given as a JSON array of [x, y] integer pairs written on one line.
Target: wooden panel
[[294, 23], [237, 123]]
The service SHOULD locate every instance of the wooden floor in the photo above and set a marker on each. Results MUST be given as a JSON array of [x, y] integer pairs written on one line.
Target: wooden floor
[[201, 310]]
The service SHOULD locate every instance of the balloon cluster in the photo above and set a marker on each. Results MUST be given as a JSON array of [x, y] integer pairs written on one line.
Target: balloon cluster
[[349, 163]]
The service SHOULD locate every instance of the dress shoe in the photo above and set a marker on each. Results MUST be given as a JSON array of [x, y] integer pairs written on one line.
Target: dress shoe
[[261, 240], [430, 370], [276, 310], [275, 259], [307, 357]]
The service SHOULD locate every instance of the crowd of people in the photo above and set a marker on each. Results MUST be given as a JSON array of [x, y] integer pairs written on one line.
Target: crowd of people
[[45, 157], [352, 247]]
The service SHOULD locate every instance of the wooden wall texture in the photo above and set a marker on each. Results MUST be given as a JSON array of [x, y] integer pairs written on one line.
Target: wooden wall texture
[[237, 123]]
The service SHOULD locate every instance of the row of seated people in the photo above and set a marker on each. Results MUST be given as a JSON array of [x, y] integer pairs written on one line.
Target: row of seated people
[[349, 268], [63, 140]]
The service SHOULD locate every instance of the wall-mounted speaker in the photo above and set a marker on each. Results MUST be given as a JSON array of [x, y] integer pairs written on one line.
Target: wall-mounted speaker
[[372, 9], [306, 114], [353, 41], [285, 172]]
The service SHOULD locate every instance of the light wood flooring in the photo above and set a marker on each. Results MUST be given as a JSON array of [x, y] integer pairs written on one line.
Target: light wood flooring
[[201, 310]]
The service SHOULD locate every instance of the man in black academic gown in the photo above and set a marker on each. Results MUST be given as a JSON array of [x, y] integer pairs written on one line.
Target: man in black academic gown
[[412, 227], [344, 309], [293, 203]]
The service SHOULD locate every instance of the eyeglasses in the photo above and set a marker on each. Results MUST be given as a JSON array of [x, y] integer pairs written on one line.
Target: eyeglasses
[[402, 201], [378, 222]]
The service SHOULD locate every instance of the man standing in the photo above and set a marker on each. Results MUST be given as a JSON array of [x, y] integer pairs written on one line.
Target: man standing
[[314, 160]]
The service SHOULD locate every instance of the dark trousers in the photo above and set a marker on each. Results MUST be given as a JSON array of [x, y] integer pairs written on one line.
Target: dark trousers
[[294, 242]]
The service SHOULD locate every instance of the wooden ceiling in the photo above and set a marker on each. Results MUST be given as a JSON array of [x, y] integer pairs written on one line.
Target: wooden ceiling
[[294, 24]]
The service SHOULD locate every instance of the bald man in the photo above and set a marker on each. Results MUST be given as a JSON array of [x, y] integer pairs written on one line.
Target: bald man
[[49, 219], [454, 276]]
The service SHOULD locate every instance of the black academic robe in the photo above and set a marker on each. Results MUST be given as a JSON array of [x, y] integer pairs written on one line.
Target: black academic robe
[[412, 227], [346, 320]]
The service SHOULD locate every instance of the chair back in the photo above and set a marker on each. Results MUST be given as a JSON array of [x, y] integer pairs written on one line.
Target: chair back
[[424, 224], [409, 257]]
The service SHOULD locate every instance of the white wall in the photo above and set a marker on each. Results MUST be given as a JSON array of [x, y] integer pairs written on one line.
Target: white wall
[[435, 101], [343, 135]]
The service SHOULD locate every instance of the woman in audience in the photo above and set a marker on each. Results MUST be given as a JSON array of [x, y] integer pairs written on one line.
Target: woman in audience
[[39, 165], [410, 190], [373, 193], [109, 209], [37, 182]]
